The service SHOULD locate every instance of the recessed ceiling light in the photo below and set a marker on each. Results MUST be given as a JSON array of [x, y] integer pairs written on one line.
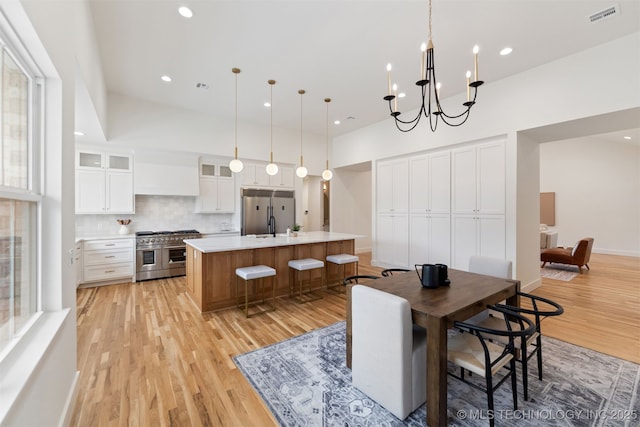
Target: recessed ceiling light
[[336, 122], [402, 95], [627, 137], [185, 11], [506, 51], [267, 104], [78, 133], [166, 79]]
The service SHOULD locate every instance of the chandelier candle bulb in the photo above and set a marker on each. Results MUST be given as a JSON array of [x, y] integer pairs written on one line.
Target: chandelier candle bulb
[[475, 61], [389, 78], [423, 62], [468, 87], [395, 99]]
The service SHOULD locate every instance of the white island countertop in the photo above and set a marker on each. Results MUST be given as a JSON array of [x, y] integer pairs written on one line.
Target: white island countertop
[[238, 243]]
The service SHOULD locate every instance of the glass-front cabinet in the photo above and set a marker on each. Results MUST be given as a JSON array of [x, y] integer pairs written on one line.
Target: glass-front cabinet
[[104, 182]]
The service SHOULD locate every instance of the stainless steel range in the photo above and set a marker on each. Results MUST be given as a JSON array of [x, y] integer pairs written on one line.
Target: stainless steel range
[[162, 253]]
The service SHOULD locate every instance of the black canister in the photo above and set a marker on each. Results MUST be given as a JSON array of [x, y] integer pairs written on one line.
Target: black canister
[[443, 275]]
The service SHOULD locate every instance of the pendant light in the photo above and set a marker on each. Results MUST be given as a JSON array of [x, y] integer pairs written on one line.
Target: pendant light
[[327, 174], [236, 164], [272, 168], [301, 171]]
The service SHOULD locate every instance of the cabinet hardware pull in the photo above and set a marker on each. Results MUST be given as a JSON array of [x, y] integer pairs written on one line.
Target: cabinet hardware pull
[[110, 256], [109, 271], [110, 244]]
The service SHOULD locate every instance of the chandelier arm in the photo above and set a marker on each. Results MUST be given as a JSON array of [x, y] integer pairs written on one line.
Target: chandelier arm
[[406, 122]]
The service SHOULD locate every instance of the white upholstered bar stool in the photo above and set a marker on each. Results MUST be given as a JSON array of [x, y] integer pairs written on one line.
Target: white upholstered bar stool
[[341, 260], [253, 273], [296, 268]]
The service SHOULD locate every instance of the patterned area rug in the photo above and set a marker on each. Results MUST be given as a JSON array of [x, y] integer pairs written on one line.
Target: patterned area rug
[[566, 273], [304, 382]]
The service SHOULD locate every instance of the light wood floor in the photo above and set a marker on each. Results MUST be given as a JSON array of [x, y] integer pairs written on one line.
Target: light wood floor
[[148, 358]]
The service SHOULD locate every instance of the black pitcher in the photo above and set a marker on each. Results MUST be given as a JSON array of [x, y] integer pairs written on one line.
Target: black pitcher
[[430, 277]]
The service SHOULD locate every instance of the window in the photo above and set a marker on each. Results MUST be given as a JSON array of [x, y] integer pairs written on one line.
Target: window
[[19, 197]]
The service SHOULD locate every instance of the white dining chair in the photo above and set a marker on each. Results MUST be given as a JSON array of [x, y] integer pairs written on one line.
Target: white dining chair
[[388, 353]]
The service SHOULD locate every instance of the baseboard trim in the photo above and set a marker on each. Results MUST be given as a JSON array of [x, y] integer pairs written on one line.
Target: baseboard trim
[[65, 420]]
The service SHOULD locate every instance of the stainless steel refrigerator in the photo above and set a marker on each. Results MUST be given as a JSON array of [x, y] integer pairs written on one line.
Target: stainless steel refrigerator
[[264, 209]]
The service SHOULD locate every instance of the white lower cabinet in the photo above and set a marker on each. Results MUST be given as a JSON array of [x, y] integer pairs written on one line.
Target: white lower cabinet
[[392, 245], [77, 261], [477, 235], [108, 260], [430, 239]]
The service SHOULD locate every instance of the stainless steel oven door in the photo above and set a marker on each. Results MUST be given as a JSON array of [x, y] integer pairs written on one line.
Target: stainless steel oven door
[[175, 257], [148, 263]]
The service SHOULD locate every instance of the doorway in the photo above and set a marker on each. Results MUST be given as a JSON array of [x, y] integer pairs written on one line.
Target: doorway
[[326, 188]]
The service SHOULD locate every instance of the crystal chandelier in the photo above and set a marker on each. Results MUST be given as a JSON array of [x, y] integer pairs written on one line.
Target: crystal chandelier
[[430, 87]]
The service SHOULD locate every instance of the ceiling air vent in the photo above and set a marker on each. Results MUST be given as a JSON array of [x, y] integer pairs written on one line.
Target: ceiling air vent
[[606, 13]]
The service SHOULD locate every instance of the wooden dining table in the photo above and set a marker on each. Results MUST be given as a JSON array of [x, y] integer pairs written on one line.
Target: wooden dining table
[[436, 310]]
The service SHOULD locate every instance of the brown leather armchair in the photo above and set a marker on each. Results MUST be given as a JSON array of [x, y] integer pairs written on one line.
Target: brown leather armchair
[[578, 255]]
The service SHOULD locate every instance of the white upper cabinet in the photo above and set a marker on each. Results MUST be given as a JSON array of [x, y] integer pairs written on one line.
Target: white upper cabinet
[[478, 179], [217, 189], [430, 183], [255, 175], [393, 186], [104, 182], [283, 179]]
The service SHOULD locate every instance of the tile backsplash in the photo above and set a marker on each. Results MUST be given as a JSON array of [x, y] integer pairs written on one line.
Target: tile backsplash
[[155, 213]]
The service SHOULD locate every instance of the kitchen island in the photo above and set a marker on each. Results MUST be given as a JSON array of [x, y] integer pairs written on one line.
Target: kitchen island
[[211, 263]]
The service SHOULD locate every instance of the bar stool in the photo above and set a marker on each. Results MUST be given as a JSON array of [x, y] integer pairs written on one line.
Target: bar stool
[[341, 260], [297, 266], [253, 273]]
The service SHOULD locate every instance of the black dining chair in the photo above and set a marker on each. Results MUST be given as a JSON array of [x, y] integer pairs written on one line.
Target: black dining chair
[[475, 350], [541, 308], [352, 280], [389, 271]]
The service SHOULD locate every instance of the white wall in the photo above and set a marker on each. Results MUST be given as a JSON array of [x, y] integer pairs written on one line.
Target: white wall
[[47, 366], [560, 91], [597, 186], [135, 123], [351, 205]]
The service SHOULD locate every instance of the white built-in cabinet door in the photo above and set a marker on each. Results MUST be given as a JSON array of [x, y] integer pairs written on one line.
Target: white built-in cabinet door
[[226, 195], [440, 183], [478, 203], [392, 242], [90, 191], [216, 196], [463, 181], [283, 179], [119, 192], [491, 179], [429, 201], [429, 239], [392, 179], [419, 184]]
